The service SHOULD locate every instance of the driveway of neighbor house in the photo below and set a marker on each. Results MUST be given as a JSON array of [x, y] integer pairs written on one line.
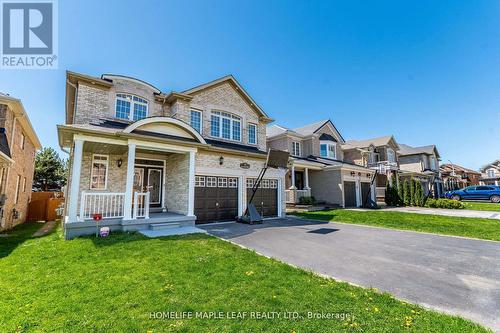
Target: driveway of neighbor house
[[440, 211], [451, 274]]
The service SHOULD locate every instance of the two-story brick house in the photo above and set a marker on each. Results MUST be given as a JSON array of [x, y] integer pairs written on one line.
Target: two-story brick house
[[318, 167], [455, 176], [18, 145], [145, 159], [421, 163], [490, 174], [378, 154]]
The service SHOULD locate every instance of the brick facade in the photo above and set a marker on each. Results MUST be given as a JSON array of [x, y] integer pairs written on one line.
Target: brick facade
[[22, 169]]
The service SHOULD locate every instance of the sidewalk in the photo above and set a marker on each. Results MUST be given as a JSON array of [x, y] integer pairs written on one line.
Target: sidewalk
[[440, 211]]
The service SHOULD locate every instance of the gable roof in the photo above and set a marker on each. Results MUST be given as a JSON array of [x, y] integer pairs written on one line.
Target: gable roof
[[239, 88], [447, 167], [409, 150], [303, 131], [493, 165], [380, 141]]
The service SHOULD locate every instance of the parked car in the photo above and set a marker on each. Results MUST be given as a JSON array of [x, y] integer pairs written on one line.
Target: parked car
[[491, 193]]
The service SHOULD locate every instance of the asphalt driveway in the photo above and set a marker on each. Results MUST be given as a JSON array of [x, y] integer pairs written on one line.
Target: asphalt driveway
[[454, 275]]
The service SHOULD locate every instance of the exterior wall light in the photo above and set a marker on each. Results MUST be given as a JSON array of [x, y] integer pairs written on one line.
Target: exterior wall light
[[119, 162], [221, 160]]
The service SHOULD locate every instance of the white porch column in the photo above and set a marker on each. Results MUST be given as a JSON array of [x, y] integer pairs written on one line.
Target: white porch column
[[76, 168], [497, 183], [127, 206], [306, 179], [191, 184], [293, 187]]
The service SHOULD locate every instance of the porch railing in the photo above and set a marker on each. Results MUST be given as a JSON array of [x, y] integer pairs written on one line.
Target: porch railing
[[109, 205], [293, 196], [141, 205]]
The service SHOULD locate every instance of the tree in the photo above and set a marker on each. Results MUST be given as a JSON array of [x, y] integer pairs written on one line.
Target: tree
[[406, 193], [388, 194], [413, 200], [419, 191], [50, 171], [400, 192]]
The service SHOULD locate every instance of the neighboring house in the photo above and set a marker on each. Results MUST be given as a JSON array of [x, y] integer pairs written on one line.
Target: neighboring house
[[378, 154], [455, 176], [490, 174], [145, 159], [318, 167], [18, 145], [421, 163]]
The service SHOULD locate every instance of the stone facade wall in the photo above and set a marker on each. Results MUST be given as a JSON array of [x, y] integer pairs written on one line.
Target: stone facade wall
[[23, 166], [94, 102], [326, 186], [411, 163], [177, 183], [224, 97]]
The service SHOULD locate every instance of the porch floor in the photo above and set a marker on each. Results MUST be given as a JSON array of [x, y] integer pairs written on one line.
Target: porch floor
[[172, 231]]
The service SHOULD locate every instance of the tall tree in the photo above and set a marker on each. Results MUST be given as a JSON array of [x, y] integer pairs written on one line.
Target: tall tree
[[50, 171], [406, 193]]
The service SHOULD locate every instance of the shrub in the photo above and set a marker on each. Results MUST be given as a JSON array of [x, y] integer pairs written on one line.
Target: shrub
[[444, 203], [406, 193], [419, 194], [307, 200], [400, 193], [413, 198]]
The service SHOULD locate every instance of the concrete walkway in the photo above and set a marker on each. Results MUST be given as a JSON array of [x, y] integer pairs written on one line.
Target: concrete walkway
[[440, 211], [455, 275], [46, 228]]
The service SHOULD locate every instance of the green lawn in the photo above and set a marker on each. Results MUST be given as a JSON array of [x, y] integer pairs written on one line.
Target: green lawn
[[475, 205], [447, 225], [113, 284]]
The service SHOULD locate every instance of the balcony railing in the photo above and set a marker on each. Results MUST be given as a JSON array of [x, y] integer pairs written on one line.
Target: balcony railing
[[293, 196], [109, 205], [383, 166]]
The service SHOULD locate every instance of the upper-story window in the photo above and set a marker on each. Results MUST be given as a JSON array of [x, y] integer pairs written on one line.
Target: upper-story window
[[252, 133], [391, 155], [328, 149], [491, 173], [195, 120], [433, 162], [295, 148], [130, 107], [225, 125]]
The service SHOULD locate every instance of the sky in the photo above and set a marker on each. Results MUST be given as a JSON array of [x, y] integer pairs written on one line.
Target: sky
[[427, 72]]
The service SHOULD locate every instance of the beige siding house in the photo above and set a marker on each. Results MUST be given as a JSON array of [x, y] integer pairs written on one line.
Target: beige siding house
[[421, 163], [144, 159], [490, 174], [18, 145], [378, 154], [318, 167]]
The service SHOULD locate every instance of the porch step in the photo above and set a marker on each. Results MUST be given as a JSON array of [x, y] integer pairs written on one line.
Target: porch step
[[163, 226], [155, 210]]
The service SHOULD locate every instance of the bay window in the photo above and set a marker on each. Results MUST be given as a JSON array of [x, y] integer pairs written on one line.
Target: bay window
[[130, 107], [225, 125], [328, 149]]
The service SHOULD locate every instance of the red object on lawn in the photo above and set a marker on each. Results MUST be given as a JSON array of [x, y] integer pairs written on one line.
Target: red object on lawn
[[97, 217]]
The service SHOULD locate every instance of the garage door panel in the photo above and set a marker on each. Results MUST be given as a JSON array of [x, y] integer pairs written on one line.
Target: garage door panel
[[214, 199], [349, 194], [265, 199]]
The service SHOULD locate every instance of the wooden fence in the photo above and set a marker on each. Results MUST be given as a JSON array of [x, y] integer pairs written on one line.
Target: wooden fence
[[43, 205]]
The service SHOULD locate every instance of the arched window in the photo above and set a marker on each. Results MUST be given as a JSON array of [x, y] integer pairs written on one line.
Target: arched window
[[130, 107]]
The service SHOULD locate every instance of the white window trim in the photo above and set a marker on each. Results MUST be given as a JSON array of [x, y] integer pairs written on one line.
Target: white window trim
[[201, 118], [248, 133], [328, 144], [393, 155], [92, 171], [492, 173], [231, 120], [23, 140], [24, 184], [294, 143], [132, 102]]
